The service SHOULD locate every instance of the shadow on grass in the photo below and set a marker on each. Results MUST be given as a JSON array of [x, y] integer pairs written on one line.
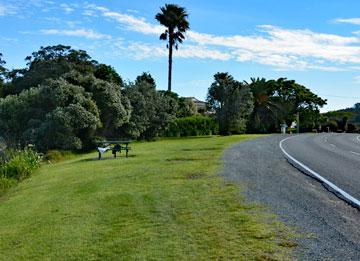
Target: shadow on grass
[[188, 137], [202, 149], [102, 159], [185, 159]]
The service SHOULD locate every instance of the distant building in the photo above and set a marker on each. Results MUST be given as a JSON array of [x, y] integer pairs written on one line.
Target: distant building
[[199, 105]]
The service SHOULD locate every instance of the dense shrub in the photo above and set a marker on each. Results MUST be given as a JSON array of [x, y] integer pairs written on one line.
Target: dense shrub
[[351, 128], [193, 126], [55, 115], [5, 184], [331, 125], [152, 111], [62, 100], [16, 165], [19, 164], [58, 155]]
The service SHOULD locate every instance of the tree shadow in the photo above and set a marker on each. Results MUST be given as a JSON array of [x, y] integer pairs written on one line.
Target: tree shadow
[[96, 159]]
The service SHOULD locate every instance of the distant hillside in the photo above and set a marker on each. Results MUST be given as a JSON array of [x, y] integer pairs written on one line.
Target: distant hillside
[[355, 111], [345, 120]]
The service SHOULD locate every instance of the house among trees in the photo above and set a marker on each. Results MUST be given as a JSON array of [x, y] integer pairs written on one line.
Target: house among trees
[[199, 105]]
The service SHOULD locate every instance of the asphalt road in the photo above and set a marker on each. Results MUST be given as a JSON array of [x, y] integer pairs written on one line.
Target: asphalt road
[[265, 176], [335, 157]]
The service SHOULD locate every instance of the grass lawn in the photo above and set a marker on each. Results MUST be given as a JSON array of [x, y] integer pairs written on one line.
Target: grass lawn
[[164, 202]]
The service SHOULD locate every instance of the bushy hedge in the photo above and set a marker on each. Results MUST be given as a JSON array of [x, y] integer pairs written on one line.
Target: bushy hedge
[[193, 126], [17, 165], [53, 156]]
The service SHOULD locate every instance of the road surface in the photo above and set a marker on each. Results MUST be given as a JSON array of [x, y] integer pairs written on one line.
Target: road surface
[[336, 157], [265, 176]]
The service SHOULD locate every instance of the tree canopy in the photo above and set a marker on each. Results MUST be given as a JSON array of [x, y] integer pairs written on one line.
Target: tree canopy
[[54, 115], [2, 63], [232, 101], [63, 99], [277, 101], [152, 111], [52, 62]]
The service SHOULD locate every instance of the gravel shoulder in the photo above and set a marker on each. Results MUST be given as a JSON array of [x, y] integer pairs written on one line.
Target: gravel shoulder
[[265, 176]]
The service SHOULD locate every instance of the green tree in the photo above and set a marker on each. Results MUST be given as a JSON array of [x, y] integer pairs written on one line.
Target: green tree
[[2, 74], [2, 68], [297, 98], [152, 111], [108, 74], [232, 101], [186, 108], [146, 77], [55, 115], [266, 107], [174, 18], [99, 81], [113, 105], [276, 101], [50, 62]]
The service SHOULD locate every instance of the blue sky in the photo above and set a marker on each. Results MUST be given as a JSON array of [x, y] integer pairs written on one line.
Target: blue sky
[[316, 43]]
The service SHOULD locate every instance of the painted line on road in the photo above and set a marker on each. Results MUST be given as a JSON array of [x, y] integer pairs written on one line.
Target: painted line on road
[[332, 145], [356, 153], [358, 138], [329, 185]]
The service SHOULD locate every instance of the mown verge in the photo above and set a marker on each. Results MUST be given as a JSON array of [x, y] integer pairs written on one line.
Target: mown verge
[[164, 202]]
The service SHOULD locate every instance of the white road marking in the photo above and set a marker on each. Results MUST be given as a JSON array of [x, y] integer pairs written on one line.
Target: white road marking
[[356, 153], [338, 191], [358, 138], [332, 145]]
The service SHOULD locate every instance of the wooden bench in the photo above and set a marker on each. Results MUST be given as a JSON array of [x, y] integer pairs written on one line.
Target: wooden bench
[[114, 146]]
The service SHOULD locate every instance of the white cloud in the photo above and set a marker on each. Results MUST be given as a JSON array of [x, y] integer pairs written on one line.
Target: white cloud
[[130, 22], [201, 52], [139, 51], [9, 39], [24, 8], [89, 13], [357, 79], [2, 10], [132, 11], [7, 9], [284, 49], [134, 24], [87, 33], [355, 21], [67, 8], [278, 43]]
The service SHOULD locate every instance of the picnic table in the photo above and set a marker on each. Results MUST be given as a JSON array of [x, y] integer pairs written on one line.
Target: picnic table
[[115, 146]]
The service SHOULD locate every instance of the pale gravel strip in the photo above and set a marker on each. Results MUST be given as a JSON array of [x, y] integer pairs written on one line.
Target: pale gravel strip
[[265, 176]]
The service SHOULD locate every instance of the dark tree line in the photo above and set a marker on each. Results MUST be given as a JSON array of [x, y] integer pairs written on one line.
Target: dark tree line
[[65, 100], [278, 101], [232, 102], [262, 105], [345, 120]]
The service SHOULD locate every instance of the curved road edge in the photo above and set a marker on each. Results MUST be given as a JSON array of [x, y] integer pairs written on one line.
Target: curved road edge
[[326, 183]]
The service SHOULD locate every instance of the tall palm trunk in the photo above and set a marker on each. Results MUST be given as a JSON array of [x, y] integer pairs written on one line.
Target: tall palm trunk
[[171, 43]]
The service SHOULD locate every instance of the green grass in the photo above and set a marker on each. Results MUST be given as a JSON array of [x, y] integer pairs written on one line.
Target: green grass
[[164, 202]]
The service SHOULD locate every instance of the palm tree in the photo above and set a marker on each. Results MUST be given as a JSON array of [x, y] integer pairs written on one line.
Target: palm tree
[[174, 18], [267, 107]]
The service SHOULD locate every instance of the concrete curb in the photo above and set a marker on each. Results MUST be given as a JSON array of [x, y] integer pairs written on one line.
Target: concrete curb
[[327, 184]]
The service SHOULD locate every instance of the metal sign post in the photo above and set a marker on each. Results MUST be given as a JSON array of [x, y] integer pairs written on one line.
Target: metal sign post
[[297, 123]]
